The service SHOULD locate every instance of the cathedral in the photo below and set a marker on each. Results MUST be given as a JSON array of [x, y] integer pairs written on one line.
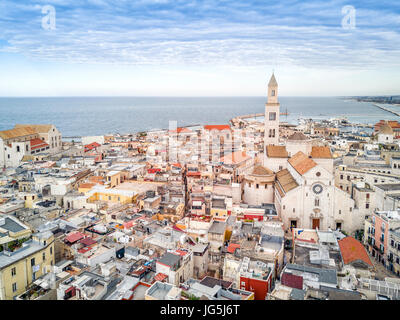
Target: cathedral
[[297, 176]]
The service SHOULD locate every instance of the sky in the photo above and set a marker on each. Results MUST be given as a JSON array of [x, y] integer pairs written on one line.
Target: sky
[[199, 47]]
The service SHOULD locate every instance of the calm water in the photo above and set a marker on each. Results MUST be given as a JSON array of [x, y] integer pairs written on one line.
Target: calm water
[[99, 115]]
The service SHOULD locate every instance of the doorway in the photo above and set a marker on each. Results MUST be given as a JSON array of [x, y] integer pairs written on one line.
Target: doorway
[[315, 223]]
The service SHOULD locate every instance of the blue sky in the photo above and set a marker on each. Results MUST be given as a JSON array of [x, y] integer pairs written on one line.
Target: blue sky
[[198, 48]]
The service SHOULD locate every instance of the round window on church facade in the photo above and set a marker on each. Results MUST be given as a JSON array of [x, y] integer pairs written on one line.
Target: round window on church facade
[[318, 174], [317, 189]]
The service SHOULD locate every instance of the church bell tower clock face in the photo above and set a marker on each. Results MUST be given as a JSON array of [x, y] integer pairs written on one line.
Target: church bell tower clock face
[[317, 189]]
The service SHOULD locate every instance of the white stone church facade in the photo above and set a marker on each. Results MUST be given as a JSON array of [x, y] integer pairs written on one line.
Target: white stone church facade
[[297, 176]]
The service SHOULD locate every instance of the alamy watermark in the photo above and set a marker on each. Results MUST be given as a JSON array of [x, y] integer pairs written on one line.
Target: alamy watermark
[[349, 17], [49, 20]]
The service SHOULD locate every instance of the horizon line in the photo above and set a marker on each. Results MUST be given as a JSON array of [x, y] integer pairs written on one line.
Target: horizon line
[[211, 96]]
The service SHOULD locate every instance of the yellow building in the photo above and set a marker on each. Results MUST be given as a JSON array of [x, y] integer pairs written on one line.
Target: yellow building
[[22, 259], [102, 193], [218, 209], [114, 178], [30, 199]]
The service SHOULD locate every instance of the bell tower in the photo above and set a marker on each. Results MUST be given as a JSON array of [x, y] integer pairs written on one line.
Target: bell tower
[[272, 110]]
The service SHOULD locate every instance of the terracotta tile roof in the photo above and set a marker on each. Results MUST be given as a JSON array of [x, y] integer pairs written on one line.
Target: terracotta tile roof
[[217, 127], [301, 163], [87, 241], [175, 227], [386, 129], [38, 128], [38, 144], [235, 157], [178, 165], [16, 132], [392, 123], [91, 146], [232, 247], [321, 152], [353, 250], [160, 277], [285, 181], [74, 237], [181, 129], [84, 249], [260, 170], [276, 152], [96, 179], [87, 185], [297, 136]]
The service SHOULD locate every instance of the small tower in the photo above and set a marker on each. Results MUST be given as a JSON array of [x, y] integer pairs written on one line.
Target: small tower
[[272, 110]]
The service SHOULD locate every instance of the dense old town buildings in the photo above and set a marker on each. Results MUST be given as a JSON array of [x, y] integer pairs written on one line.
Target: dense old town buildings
[[248, 210]]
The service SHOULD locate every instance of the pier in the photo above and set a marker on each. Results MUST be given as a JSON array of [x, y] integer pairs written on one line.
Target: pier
[[387, 110]]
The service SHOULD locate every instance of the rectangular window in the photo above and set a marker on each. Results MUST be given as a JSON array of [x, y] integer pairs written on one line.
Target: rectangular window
[[13, 271], [14, 287], [366, 205], [44, 256], [32, 262], [272, 116]]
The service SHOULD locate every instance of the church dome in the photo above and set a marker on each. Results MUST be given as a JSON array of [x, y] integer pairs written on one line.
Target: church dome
[[260, 170], [386, 129], [298, 136]]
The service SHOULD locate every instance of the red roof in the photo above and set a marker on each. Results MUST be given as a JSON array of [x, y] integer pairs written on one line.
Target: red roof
[[292, 281], [74, 237], [232, 247], [194, 174], [175, 227], [87, 241], [181, 129], [217, 127], [353, 250], [91, 146], [38, 144], [160, 277], [85, 249]]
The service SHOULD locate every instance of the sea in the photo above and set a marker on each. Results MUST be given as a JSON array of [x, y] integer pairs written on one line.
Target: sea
[[86, 116]]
